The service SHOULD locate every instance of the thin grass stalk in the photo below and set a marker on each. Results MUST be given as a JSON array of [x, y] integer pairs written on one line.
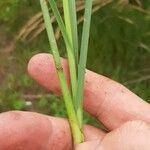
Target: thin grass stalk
[[71, 58], [83, 60], [62, 29], [61, 24], [74, 28], [69, 46], [77, 135]]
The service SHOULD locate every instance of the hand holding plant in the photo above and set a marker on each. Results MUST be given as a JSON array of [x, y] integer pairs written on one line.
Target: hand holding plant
[[33, 131]]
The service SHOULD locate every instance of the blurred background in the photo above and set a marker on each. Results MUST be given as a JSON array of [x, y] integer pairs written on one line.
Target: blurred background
[[119, 49]]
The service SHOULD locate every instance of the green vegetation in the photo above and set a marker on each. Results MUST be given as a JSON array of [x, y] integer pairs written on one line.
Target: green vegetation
[[67, 96], [119, 48], [77, 61]]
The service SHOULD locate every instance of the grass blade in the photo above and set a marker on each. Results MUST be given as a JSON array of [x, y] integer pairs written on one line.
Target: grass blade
[[74, 28], [67, 18], [77, 135], [60, 23], [83, 59], [67, 34]]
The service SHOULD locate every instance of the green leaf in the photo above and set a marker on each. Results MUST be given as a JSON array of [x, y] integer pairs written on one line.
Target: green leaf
[[77, 134], [82, 60]]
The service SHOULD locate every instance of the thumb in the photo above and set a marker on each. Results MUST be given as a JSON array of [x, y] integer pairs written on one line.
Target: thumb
[[89, 145], [131, 135]]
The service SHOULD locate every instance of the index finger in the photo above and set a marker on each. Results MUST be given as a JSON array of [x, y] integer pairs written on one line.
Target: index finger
[[109, 101]]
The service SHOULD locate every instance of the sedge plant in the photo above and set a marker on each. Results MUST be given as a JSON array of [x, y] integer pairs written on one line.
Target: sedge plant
[[77, 57]]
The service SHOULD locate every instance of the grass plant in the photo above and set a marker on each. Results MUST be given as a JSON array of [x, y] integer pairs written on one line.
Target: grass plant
[[76, 57], [126, 29]]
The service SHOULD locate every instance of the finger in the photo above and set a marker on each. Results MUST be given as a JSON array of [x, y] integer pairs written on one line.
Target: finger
[[32, 131], [131, 135], [107, 100]]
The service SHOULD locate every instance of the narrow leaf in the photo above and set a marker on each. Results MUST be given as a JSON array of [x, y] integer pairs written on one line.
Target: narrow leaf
[[83, 59], [77, 135]]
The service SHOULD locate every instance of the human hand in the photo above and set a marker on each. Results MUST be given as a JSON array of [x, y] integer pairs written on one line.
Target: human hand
[[124, 114]]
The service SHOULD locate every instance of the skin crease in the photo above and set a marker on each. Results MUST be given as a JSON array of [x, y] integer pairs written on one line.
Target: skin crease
[[122, 112]]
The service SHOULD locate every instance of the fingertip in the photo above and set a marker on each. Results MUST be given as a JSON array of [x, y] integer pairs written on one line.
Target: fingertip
[[41, 68], [24, 129], [37, 62], [29, 130]]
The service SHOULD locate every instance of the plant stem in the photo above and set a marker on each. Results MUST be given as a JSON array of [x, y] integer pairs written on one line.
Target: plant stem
[[71, 57], [77, 134], [61, 26], [82, 61], [60, 23], [74, 28]]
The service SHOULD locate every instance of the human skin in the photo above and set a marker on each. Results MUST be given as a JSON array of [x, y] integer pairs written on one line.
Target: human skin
[[125, 115]]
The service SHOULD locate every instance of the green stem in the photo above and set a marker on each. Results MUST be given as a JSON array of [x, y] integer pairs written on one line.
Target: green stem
[[74, 29], [60, 23], [82, 61], [77, 134], [71, 58], [69, 46]]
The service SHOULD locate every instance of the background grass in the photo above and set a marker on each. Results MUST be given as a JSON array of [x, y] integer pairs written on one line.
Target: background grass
[[119, 48]]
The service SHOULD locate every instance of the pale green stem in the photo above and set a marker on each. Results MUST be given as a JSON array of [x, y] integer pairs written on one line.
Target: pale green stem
[[71, 57], [74, 28], [77, 134]]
